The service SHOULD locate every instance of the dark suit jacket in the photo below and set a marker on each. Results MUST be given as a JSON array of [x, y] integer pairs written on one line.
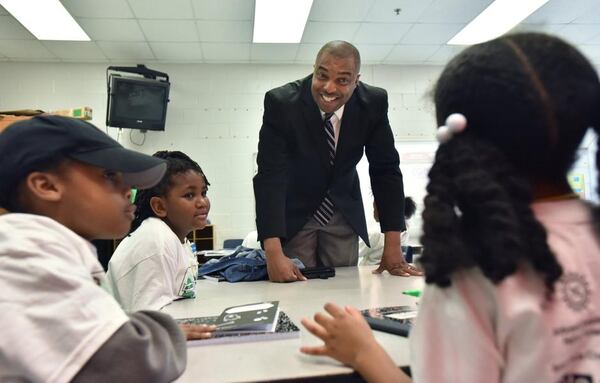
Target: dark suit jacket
[[293, 165]]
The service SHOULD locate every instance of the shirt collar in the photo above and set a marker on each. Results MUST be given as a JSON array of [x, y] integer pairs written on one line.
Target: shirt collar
[[338, 113]]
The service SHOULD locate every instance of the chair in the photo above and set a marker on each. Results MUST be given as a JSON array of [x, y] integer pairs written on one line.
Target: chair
[[408, 253], [232, 243]]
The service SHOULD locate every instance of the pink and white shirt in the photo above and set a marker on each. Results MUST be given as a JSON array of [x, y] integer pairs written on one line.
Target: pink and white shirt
[[475, 331]]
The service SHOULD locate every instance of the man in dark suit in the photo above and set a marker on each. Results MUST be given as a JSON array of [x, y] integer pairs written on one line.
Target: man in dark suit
[[308, 200]]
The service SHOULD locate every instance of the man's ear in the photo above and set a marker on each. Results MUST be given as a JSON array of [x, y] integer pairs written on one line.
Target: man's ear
[[45, 186], [357, 78], [158, 206]]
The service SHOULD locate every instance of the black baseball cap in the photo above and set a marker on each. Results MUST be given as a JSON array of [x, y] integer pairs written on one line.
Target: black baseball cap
[[26, 146]]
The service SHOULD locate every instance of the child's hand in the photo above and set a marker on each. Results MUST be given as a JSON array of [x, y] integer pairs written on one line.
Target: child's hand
[[346, 334], [197, 331]]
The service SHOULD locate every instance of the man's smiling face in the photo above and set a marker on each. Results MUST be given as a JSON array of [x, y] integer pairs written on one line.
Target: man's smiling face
[[333, 82]]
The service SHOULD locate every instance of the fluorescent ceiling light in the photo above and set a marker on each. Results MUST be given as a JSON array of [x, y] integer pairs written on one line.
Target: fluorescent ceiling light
[[46, 19], [280, 21], [498, 18]]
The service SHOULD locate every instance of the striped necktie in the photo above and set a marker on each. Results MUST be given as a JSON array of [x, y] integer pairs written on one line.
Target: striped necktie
[[325, 210]]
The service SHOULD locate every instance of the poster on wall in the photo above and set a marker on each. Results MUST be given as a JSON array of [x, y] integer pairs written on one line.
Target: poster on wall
[[576, 181]]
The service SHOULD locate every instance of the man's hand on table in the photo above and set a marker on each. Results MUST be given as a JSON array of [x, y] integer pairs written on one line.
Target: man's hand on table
[[392, 259], [279, 267]]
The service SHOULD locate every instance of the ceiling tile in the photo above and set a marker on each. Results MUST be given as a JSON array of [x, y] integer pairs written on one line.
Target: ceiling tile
[[240, 10], [591, 16], [11, 29], [578, 33], [25, 49], [273, 52], [215, 52], [118, 9], [307, 53], [592, 52], [594, 41], [225, 31], [162, 9], [431, 33], [75, 50], [383, 11], [322, 32], [444, 54], [177, 51], [373, 54], [126, 50], [541, 28], [179, 30], [453, 11], [333, 10], [402, 54], [380, 33], [112, 29], [560, 12], [169, 30]]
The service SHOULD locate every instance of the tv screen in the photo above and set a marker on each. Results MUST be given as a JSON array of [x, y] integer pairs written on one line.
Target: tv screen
[[137, 103]]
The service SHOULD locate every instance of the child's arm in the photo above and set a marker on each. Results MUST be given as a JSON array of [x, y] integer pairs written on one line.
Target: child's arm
[[150, 347], [349, 339]]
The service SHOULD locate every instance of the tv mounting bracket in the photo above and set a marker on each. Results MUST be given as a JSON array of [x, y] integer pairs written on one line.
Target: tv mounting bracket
[[140, 69]]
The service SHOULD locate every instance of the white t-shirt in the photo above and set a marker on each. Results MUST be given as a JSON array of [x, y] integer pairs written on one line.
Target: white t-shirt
[[54, 316], [475, 331], [151, 268], [251, 240], [372, 255]]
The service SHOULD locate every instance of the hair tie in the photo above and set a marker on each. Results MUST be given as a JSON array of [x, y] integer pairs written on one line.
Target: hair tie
[[455, 123]]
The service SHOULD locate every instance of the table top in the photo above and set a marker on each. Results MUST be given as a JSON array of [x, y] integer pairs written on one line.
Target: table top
[[281, 359]]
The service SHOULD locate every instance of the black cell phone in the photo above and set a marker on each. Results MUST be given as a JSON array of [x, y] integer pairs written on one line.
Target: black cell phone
[[389, 326], [322, 272]]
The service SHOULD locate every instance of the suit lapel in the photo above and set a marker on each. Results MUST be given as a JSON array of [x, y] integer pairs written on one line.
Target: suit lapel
[[349, 127], [314, 123]]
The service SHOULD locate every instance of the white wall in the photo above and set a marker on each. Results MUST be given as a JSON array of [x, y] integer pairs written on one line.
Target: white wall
[[214, 116]]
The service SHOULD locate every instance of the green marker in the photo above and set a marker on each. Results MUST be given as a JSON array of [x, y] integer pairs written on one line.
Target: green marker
[[133, 194], [412, 293]]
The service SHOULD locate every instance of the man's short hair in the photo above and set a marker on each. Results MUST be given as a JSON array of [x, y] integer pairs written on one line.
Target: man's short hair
[[341, 49]]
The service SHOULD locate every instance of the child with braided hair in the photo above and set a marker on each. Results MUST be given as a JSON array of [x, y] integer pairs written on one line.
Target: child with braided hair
[[155, 265], [511, 255]]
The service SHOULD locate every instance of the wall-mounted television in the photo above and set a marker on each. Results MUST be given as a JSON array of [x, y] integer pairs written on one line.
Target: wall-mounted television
[[137, 103]]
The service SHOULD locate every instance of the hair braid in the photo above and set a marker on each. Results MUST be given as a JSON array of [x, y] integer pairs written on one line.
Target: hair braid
[[443, 249], [486, 210], [537, 251]]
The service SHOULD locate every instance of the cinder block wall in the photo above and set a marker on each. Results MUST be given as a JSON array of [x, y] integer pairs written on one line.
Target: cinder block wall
[[215, 115]]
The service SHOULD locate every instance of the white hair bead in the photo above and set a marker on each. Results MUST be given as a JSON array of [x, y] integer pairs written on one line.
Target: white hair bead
[[455, 123], [443, 134]]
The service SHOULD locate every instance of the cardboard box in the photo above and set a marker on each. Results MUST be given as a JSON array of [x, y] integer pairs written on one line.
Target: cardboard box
[[83, 113]]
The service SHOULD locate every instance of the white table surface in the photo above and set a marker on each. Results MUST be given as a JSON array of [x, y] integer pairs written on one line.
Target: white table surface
[[281, 359]]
